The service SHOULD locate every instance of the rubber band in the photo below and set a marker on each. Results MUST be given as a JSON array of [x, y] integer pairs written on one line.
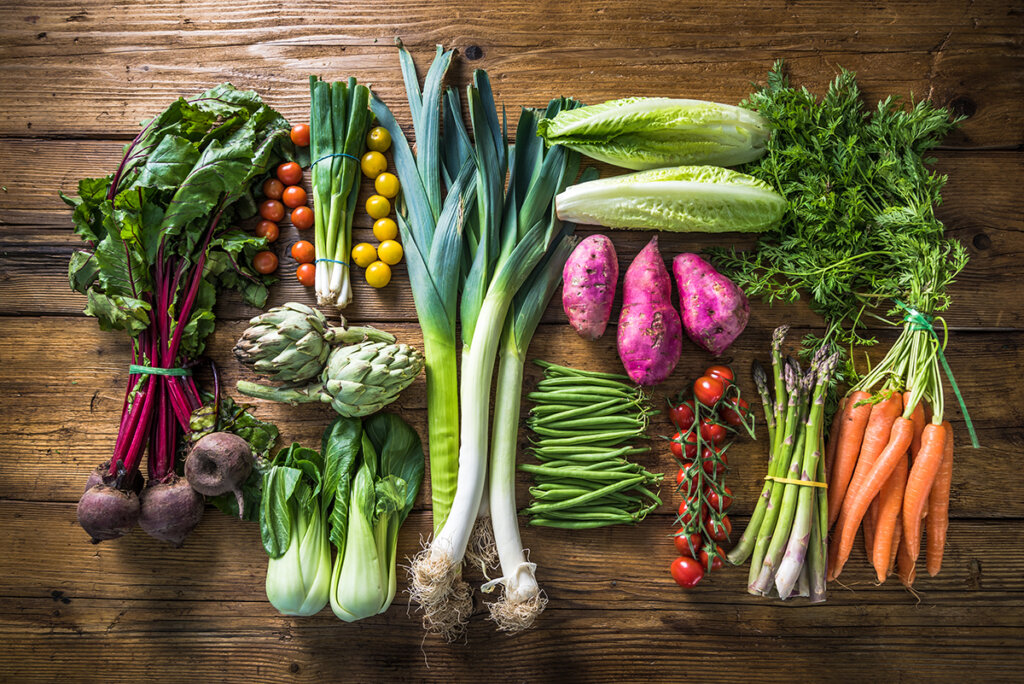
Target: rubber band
[[921, 321], [789, 480], [332, 261], [135, 369], [331, 156]]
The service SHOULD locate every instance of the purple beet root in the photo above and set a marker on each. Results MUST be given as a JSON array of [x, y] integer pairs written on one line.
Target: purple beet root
[[108, 513], [219, 463], [170, 510], [101, 475]]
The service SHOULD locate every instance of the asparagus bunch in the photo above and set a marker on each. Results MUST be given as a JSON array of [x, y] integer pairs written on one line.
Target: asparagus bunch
[[786, 538]]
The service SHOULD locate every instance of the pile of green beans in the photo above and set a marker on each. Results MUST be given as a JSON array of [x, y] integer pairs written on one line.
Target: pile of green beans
[[583, 423]]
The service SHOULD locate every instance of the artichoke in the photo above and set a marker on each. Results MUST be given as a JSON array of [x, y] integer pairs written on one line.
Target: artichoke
[[363, 378], [291, 343]]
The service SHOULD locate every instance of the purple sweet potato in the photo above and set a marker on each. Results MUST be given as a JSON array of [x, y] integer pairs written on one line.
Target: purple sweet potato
[[588, 285], [715, 311], [650, 334]]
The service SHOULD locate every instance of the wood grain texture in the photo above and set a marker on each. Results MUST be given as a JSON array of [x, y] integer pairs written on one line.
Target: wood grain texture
[[79, 75]]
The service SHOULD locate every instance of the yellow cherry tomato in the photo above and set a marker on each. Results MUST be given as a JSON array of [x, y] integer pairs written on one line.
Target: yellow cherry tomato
[[378, 139], [386, 184], [373, 164], [390, 252], [378, 274], [385, 229], [377, 206], [364, 254]]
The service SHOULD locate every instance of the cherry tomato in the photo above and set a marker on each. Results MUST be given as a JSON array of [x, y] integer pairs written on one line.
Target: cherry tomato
[[302, 251], [272, 210], [715, 564], [300, 135], [293, 196], [723, 373], [272, 188], [289, 173], [682, 415], [680, 476], [377, 206], [265, 262], [267, 229], [708, 390], [681, 441], [378, 139], [378, 274], [707, 457], [710, 431], [732, 416], [302, 218], [689, 483], [719, 531], [306, 273], [686, 572], [688, 545], [716, 502], [686, 510]]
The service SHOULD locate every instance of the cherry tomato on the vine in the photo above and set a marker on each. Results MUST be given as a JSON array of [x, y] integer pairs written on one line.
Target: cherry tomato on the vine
[[687, 509], [272, 210], [735, 416], [302, 218], [293, 196], [267, 229], [684, 542], [302, 251], [688, 480], [681, 444], [712, 432], [306, 273], [289, 173], [265, 262], [719, 531], [682, 415], [707, 457], [686, 572], [300, 135], [719, 503], [272, 188], [708, 564], [708, 390], [722, 373]]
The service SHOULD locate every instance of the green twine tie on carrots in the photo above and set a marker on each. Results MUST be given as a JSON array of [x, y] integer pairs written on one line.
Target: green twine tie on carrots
[[135, 369], [921, 321]]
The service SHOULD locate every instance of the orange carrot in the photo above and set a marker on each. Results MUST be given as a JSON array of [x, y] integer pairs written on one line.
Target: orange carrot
[[890, 503], [851, 432], [897, 534], [833, 436], [868, 526], [938, 506], [862, 493], [919, 420], [919, 483], [904, 563]]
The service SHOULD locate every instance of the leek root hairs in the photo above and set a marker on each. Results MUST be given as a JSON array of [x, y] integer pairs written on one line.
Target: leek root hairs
[[435, 583], [481, 552], [514, 616]]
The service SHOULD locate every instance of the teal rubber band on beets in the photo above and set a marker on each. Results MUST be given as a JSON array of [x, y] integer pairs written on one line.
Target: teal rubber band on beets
[[332, 261], [331, 156], [135, 369]]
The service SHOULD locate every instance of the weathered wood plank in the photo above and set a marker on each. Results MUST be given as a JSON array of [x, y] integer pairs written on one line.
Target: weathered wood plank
[[64, 414]]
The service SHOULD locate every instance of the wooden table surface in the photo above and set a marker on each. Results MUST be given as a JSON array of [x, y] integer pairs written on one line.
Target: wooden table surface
[[77, 77]]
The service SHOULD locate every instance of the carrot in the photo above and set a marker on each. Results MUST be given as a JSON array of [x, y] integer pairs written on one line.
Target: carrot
[[897, 534], [919, 420], [833, 436], [904, 563], [851, 432], [868, 526], [938, 506], [862, 493], [890, 503], [919, 483]]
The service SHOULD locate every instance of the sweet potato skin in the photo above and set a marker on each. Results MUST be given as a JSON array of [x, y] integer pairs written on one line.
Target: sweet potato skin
[[650, 336], [714, 310], [589, 279]]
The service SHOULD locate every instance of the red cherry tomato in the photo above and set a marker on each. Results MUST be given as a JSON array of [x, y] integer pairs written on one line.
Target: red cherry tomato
[[688, 480], [272, 210], [686, 572], [306, 273], [302, 218], [687, 509], [682, 415], [722, 373], [265, 262], [712, 432], [293, 196], [684, 542], [707, 457], [719, 531], [300, 135], [715, 563], [272, 188], [267, 229], [708, 390], [684, 447], [289, 173], [302, 251], [680, 476], [735, 416], [716, 502]]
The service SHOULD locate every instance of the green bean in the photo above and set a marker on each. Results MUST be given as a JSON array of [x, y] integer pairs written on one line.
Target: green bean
[[565, 370], [605, 408], [606, 422], [615, 403], [591, 515], [577, 472], [564, 381], [584, 498], [572, 524], [590, 451], [590, 395], [615, 437]]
